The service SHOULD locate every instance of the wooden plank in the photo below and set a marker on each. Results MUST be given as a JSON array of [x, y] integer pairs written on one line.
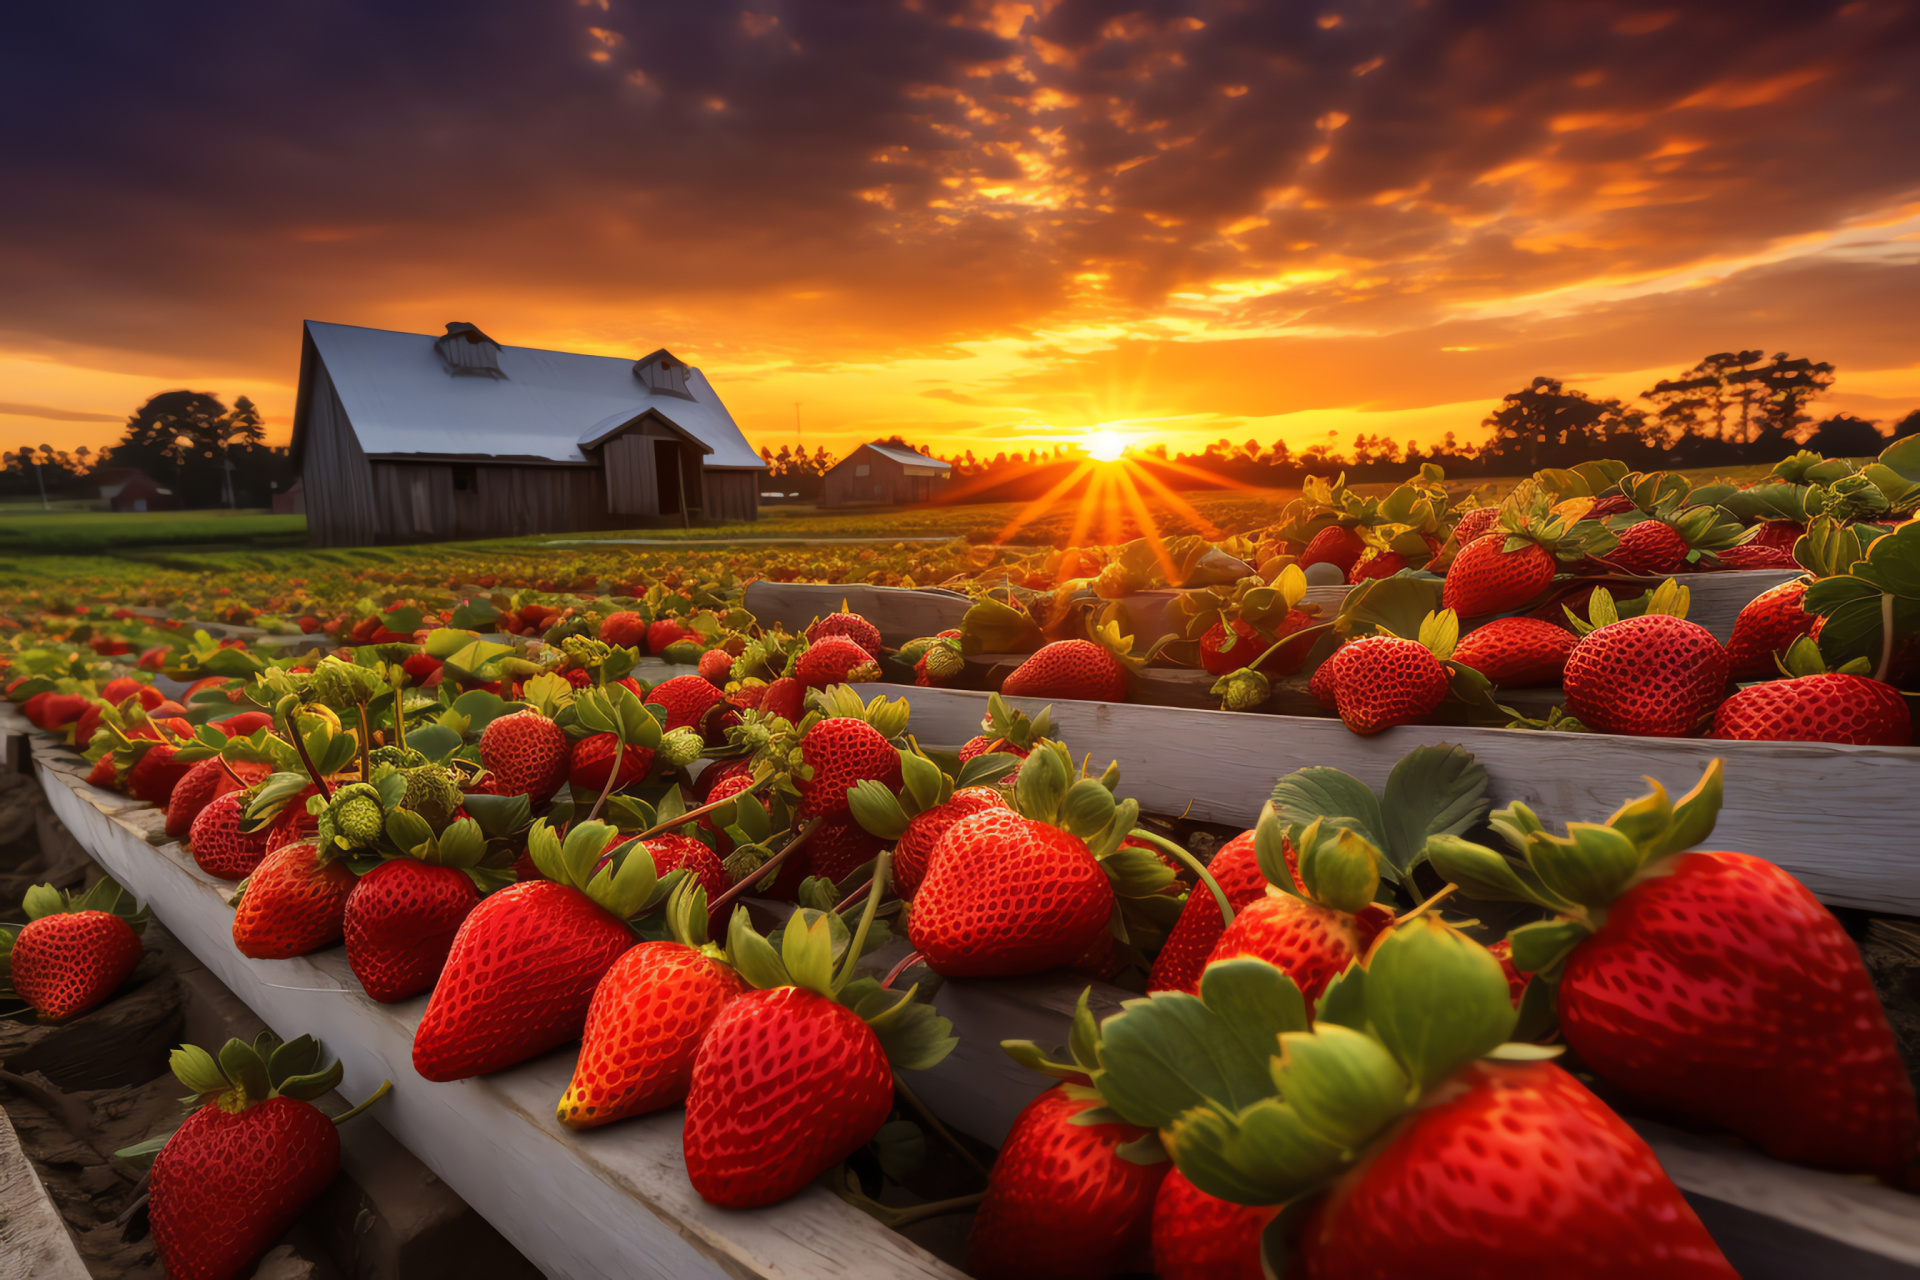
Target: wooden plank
[[610, 1204], [901, 613], [34, 1244], [1838, 817]]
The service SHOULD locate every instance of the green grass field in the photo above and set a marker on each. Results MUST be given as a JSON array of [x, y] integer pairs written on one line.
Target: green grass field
[[30, 531]]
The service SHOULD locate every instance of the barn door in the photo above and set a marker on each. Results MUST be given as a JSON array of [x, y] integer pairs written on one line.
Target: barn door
[[629, 465], [666, 458]]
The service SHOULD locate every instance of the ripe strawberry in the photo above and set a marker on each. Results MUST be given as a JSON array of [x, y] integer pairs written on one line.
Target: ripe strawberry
[[1197, 932], [1829, 707], [1763, 998], [400, 923], [243, 723], [1516, 652], [1310, 943], [74, 951], [1201, 1237], [528, 755], [982, 745], [1752, 555], [835, 660], [1005, 895], [665, 631], [623, 629], [647, 1019], [673, 852], [686, 698], [1553, 1182], [1334, 545], [925, 829], [1322, 683], [295, 823], [1474, 522], [1650, 547], [1061, 1199], [842, 752], [291, 904], [785, 1084], [233, 1178], [1381, 681], [1077, 670], [852, 626], [785, 698], [715, 666], [1486, 578], [1777, 533], [1384, 564], [840, 847], [218, 845], [155, 774], [1516, 980], [201, 784], [1769, 624], [1221, 658], [517, 981], [592, 764], [718, 772], [1654, 676]]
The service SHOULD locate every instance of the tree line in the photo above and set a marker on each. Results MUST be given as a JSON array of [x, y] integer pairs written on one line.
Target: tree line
[[190, 442]]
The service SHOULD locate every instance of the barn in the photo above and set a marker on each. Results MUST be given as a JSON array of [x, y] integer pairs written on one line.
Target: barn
[[408, 437], [883, 475]]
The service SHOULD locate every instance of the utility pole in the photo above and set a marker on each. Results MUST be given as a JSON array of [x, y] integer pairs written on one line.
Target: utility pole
[[800, 441], [41, 477]]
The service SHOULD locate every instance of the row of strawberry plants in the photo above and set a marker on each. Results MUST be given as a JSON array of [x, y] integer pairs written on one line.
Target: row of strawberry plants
[[455, 842]]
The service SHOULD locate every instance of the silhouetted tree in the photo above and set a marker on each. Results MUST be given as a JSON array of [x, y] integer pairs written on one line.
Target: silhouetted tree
[[1546, 425], [1907, 426], [1845, 436]]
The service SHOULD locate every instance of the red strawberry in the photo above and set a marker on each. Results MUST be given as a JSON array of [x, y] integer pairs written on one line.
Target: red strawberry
[[1474, 522], [1612, 504], [715, 666], [1200, 1237], [592, 763], [624, 629], [727, 787], [295, 823], [1197, 932], [1334, 545], [1516, 980], [400, 923], [200, 784], [1322, 683], [1762, 997], [1309, 943], [840, 847], [119, 689], [1005, 895], [518, 979], [1384, 564], [1553, 1183], [785, 1084], [1777, 533], [983, 745], [528, 755], [236, 1175], [835, 660], [1752, 555], [1381, 681], [686, 698], [1650, 547], [673, 852], [243, 723], [925, 829], [842, 752], [1061, 1200], [1829, 707], [1516, 652], [785, 698], [218, 845], [155, 774], [1220, 658], [852, 626], [292, 904], [1769, 624], [647, 1019], [1655, 676], [1077, 670], [717, 773], [664, 632], [1486, 578], [71, 954]]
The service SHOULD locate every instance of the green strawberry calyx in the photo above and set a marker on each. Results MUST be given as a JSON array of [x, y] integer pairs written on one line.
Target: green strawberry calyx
[[1803, 658], [924, 785], [1578, 874], [809, 947], [1669, 599], [628, 885], [1531, 516], [1008, 724]]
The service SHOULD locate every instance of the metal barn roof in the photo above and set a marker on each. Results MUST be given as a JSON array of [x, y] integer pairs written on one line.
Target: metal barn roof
[[908, 457], [402, 400]]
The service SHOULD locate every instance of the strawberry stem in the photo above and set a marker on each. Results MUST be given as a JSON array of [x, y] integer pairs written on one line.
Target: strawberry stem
[[759, 873], [880, 868], [1193, 864], [366, 736], [854, 897], [1419, 910], [613, 776], [299, 745], [1886, 636], [1286, 640], [933, 1123], [907, 962], [701, 812], [386, 1087]]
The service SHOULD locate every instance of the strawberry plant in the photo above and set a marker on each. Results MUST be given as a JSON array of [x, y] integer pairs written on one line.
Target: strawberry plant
[[75, 949]]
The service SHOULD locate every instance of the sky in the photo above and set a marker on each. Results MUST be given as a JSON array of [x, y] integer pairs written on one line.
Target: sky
[[978, 224]]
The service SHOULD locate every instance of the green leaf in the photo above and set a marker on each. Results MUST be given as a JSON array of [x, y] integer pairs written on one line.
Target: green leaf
[[1343, 1084], [1344, 1001], [1341, 798], [472, 616], [753, 956], [1135, 873], [1339, 867], [195, 1068], [1541, 947], [444, 642], [1434, 790], [43, 900], [499, 816], [1397, 605], [1590, 866], [992, 627], [876, 810], [806, 949], [1261, 1155], [1436, 999], [901, 1148], [1483, 874], [434, 741], [480, 708], [296, 1057], [913, 1035], [242, 1065]]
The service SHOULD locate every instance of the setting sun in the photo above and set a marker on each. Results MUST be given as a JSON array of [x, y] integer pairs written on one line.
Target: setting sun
[[1104, 445]]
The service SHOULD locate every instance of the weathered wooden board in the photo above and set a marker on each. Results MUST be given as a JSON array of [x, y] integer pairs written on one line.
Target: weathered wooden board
[[611, 1204], [901, 613], [1838, 817], [34, 1244]]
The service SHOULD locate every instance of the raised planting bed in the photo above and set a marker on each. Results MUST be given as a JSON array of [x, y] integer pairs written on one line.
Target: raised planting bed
[[901, 613], [611, 1204], [1837, 817]]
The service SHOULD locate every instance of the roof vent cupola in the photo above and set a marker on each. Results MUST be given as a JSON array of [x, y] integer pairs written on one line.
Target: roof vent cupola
[[663, 374], [469, 352]]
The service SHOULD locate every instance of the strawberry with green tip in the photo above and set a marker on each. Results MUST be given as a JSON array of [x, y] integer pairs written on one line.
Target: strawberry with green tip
[[1762, 994], [220, 843], [254, 1153], [75, 949], [401, 918], [850, 625], [927, 805], [1074, 670], [1383, 680], [1504, 569], [1008, 730], [848, 745], [794, 1076]]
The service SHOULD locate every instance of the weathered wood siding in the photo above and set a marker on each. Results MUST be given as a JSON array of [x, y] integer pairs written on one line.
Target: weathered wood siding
[[337, 478], [417, 501], [885, 484], [632, 487], [733, 495]]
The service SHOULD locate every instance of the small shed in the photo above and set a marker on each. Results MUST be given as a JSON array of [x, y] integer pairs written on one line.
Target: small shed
[[407, 437], [884, 475], [128, 490]]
